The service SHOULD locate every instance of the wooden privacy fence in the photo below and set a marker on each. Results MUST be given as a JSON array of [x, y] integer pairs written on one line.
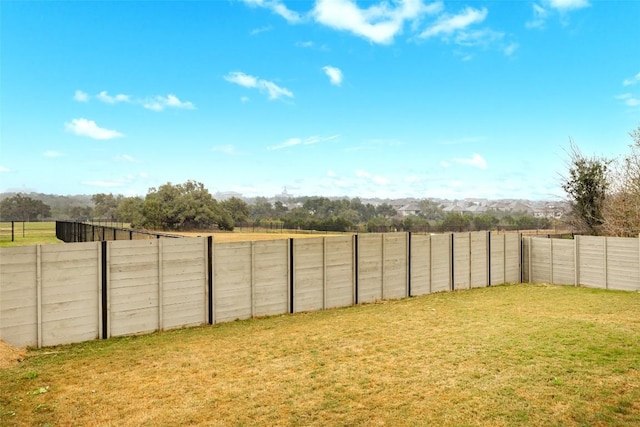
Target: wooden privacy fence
[[599, 262], [55, 294]]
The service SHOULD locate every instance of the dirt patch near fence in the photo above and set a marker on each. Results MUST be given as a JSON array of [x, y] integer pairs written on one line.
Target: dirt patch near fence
[[10, 356]]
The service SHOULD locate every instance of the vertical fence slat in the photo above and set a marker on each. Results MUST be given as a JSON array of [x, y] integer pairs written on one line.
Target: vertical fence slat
[[39, 294]]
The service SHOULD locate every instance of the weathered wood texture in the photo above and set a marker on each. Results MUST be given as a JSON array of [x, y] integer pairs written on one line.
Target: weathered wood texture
[[19, 295], [420, 264], [70, 293], [370, 261], [600, 262], [270, 277]]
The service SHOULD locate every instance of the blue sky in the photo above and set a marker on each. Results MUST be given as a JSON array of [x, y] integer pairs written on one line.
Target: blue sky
[[445, 99]]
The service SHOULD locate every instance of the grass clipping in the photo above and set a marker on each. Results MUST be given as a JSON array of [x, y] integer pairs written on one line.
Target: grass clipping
[[502, 356]]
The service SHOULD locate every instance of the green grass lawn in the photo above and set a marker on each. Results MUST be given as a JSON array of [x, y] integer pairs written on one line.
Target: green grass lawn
[[516, 355], [28, 233]]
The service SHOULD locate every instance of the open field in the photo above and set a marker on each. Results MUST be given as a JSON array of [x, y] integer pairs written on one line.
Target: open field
[[500, 356], [28, 233]]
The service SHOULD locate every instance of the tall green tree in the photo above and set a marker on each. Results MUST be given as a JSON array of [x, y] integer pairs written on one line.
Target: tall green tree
[[23, 208], [237, 208], [586, 188], [184, 207], [106, 206]]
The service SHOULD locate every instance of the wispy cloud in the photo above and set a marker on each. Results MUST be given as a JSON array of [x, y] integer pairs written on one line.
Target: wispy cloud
[[292, 142], [334, 74], [306, 44], [108, 99], [278, 8], [629, 100], [379, 23], [257, 31], [159, 103], [447, 25], [53, 154], [89, 128], [81, 96], [4, 169], [632, 81], [377, 179], [126, 158], [226, 149], [544, 10], [540, 16], [565, 5], [476, 161], [272, 90]]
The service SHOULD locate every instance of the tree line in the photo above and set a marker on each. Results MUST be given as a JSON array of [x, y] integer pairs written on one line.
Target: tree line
[[190, 206]]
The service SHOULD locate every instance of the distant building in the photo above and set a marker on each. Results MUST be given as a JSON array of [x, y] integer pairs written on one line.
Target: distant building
[[409, 209]]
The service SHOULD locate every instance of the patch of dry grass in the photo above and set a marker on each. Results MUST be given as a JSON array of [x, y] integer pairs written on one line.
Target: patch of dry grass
[[500, 356]]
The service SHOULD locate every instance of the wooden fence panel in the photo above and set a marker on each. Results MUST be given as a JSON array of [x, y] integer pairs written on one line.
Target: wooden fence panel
[[592, 261], [271, 277], [497, 259], [512, 267], [461, 261], [420, 264], [563, 262], [184, 286], [479, 259], [440, 262], [394, 265], [70, 293], [19, 295], [308, 276], [133, 287], [232, 293], [370, 263], [622, 263], [339, 267]]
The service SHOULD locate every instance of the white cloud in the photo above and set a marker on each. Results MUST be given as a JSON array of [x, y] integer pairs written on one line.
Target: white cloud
[[278, 8], [257, 31], [273, 90], [89, 128], [379, 23], [225, 149], [306, 44], [476, 161], [159, 103], [511, 48], [334, 74], [632, 81], [51, 153], [629, 99], [568, 4], [377, 179], [292, 142], [126, 158], [4, 169], [540, 15], [108, 99], [81, 96], [242, 79], [244, 99], [448, 24], [445, 164], [331, 173]]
